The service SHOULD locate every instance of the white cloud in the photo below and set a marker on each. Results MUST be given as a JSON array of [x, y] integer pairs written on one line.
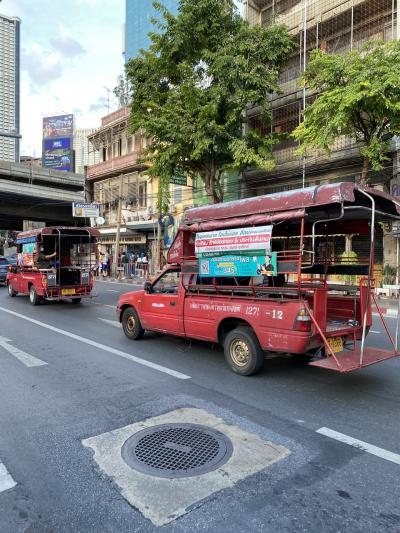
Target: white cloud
[[67, 60]]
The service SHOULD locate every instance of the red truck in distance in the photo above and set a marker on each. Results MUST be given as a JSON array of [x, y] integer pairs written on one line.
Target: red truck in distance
[[305, 299], [54, 263]]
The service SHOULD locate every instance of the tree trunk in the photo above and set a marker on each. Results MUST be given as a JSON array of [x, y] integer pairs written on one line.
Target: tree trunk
[[364, 173], [210, 183]]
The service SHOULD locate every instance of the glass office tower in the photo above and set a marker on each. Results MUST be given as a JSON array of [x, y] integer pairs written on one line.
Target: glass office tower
[[138, 15]]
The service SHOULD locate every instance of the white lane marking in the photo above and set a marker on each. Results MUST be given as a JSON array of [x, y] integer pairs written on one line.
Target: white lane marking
[[111, 290], [6, 481], [361, 445], [125, 355], [26, 358], [373, 331], [122, 283], [114, 323]]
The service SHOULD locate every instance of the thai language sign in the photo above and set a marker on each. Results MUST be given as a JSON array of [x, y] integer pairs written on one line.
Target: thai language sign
[[85, 210], [233, 240], [239, 265]]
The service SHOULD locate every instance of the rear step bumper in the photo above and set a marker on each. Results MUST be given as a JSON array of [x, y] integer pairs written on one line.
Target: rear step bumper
[[350, 361]]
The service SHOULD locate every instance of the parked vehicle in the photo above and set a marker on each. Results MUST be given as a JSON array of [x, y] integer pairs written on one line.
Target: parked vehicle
[[3, 269], [262, 275], [54, 263], [12, 259]]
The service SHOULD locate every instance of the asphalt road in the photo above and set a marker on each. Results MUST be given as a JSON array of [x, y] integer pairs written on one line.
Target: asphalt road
[[91, 386]]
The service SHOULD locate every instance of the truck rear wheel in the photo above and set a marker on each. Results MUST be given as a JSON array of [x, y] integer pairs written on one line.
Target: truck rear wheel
[[76, 300], [243, 352], [33, 296], [131, 324]]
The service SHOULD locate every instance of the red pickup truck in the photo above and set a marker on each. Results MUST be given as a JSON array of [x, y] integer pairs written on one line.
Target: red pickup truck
[[311, 303]]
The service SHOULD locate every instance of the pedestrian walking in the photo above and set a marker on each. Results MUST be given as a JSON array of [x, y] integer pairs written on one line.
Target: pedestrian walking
[[104, 265]]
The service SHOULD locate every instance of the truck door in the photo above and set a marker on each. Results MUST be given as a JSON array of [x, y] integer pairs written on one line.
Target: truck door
[[161, 310]]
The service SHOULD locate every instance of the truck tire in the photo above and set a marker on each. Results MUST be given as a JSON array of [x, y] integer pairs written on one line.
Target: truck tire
[[131, 324], [11, 291], [76, 300], [243, 352], [33, 296]]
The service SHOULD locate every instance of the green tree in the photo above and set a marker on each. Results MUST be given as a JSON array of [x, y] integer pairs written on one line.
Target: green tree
[[191, 88], [358, 96]]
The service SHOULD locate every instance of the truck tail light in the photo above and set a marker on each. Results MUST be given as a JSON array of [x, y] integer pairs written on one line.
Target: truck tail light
[[303, 321]]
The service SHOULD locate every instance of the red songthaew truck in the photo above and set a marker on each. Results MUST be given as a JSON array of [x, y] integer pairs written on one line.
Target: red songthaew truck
[[54, 263], [273, 274]]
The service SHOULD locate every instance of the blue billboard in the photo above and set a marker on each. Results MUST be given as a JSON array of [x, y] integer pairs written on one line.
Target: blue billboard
[[57, 144]]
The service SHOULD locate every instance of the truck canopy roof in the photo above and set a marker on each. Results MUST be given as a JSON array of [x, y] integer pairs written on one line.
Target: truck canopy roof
[[36, 234], [284, 206]]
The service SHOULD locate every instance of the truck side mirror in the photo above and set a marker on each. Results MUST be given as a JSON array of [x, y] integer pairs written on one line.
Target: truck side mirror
[[148, 287]]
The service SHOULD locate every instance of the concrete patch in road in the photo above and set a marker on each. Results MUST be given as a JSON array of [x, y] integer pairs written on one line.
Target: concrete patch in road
[[164, 500], [6, 481]]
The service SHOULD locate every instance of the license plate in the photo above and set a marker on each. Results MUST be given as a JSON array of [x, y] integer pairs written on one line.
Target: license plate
[[336, 344], [67, 292]]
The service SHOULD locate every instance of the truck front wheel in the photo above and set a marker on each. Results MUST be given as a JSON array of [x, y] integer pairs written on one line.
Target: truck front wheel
[[131, 324], [11, 291], [243, 351]]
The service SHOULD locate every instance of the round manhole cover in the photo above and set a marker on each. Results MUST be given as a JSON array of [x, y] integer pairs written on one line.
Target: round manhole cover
[[177, 450]]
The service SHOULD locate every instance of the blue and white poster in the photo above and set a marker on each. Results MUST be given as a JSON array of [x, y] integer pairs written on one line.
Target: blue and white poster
[[239, 265]]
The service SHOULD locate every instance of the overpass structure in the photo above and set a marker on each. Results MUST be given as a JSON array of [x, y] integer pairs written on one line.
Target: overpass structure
[[38, 194]]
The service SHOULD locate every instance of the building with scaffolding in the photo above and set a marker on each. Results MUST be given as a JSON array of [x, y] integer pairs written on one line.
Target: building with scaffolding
[[336, 26]]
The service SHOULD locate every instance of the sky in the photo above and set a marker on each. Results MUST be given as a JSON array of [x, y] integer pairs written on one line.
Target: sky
[[71, 53]]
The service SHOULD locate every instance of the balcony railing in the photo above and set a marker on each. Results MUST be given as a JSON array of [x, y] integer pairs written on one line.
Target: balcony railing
[[112, 166]]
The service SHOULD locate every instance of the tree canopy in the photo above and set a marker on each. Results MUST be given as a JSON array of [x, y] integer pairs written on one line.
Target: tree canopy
[[191, 88], [358, 96]]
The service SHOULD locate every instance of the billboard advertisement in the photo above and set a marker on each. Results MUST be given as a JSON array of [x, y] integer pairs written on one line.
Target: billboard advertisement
[[59, 159], [60, 126], [64, 143]]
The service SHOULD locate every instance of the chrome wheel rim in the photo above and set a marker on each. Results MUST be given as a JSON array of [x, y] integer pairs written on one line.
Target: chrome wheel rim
[[240, 352], [130, 324], [31, 294], [10, 291]]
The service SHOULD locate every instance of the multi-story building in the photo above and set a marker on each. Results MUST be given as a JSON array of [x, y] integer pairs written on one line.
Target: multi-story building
[[84, 156], [31, 161], [336, 26], [9, 88], [138, 25], [119, 177]]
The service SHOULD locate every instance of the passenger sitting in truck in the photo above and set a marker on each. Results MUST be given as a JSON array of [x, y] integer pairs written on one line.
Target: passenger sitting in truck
[[42, 261]]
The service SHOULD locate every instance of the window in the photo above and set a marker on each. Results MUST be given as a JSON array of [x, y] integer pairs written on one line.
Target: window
[[129, 144], [177, 194], [143, 194], [168, 283]]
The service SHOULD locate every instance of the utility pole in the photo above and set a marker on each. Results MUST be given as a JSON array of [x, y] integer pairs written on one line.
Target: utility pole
[[117, 237], [304, 88]]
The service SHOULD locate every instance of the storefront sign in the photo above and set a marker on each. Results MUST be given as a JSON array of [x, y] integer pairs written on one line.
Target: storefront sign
[[178, 180], [233, 240], [85, 210], [239, 265]]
